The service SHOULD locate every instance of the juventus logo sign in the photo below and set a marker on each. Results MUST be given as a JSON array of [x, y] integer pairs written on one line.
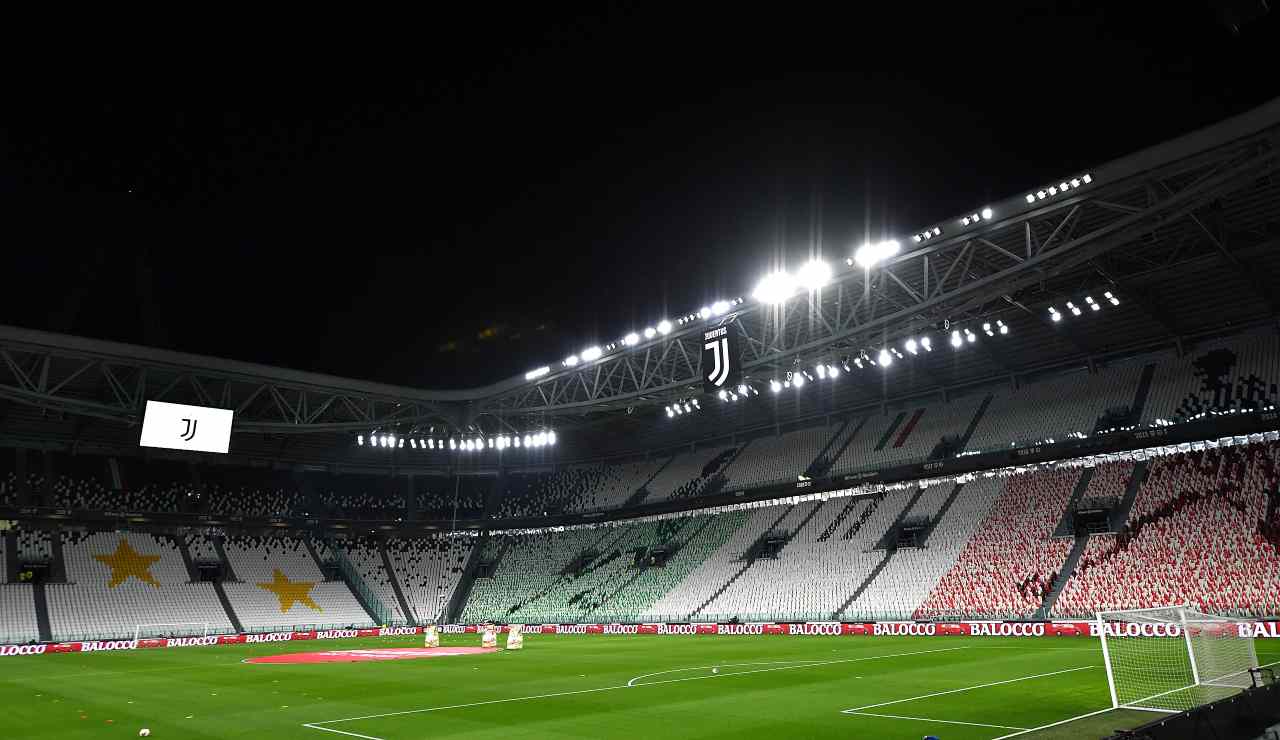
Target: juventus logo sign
[[189, 431], [719, 358]]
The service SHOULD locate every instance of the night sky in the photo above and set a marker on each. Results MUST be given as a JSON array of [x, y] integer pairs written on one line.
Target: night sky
[[505, 190]]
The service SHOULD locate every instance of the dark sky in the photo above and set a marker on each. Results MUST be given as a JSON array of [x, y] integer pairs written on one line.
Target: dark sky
[[507, 189]]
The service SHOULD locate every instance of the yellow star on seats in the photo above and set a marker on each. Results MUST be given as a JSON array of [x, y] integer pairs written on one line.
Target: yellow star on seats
[[125, 562], [290, 592]]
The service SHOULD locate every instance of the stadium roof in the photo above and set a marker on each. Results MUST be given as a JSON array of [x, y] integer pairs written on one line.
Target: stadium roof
[[1183, 235]]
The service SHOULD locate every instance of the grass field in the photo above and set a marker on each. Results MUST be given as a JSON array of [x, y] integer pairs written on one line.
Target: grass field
[[578, 686]]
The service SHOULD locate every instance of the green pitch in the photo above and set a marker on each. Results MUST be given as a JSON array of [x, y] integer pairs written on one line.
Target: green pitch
[[578, 686]]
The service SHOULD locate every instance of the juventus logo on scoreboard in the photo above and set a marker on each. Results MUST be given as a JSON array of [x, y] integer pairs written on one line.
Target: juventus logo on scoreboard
[[720, 358]]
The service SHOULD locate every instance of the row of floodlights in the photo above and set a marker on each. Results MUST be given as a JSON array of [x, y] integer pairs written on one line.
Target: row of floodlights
[[743, 390], [496, 442], [1060, 188], [779, 286], [679, 408], [1092, 305]]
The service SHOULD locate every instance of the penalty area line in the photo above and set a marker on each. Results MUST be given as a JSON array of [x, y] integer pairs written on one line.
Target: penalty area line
[[320, 725], [856, 710], [940, 721]]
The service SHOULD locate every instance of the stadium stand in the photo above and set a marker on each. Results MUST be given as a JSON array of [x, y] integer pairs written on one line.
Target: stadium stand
[[911, 573], [1234, 375], [281, 585], [908, 434], [776, 459], [366, 555], [18, 614], [117, 581], [1012, 560], [429, 569], [687, 474], [1196, 534], [1054, 408]]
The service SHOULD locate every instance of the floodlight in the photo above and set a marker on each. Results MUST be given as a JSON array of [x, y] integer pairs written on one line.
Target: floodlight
[[1053, 190], [813, 275], [911, 346], [705, 312], [742, 390], [431, 444], [986, 214], [970, 336], [798, 380], [885, 358], [1075, 310], [723, 395], [774, 288], [535, 374], [1063, 186], [956, 340], [869, 255], [515, 441], [1004, 328], [551, 437], [775, 386], [822, 371], [927, 343], [1075, 182], [631, 339], [1040, 195], [591, 353], [1031, 198], [664, 327], [571, 360], [413, 444], [986, 327], [650, 332], [360, 439], [1087, 179], [687, 407], [720, 308]]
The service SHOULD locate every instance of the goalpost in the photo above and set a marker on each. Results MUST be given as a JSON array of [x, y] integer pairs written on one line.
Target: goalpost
[[171, 629], [1174, 658]]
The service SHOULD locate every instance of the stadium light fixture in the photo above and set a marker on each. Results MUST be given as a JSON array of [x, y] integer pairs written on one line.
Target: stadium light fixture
[[1110, 297], [723, 395], [1053, 314], [927, 343], [571, 360], [431, 444], [813, 275], [956, 340], [911, 345], [720, 308], [1075, 310], [798, 380], [1092, 305], [970, 336], [631, 339], [664, 327], [884, 358], [705, 312], [1031, 198], [775, 386], [986, 214], [822, 371], [535, 374], [1002, 327], [986, 327], [1087, 178], [591, 353], [774, 288], [413, 444], [869, 255], [650, 332]]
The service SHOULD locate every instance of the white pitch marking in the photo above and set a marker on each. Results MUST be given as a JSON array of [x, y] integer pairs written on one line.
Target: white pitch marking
[[1055, 724], [316, 725], [966, 688], [341, 732], [941, 721], [632, 682]]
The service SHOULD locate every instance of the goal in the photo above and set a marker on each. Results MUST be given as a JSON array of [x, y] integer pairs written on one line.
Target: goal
[[1172, 659], [171, 629]]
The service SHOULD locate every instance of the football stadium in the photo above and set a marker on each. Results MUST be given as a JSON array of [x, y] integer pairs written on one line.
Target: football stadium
[[1007, 472]]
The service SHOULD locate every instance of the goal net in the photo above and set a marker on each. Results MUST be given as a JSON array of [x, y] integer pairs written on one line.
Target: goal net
[[171, 629], [1174, 658]]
